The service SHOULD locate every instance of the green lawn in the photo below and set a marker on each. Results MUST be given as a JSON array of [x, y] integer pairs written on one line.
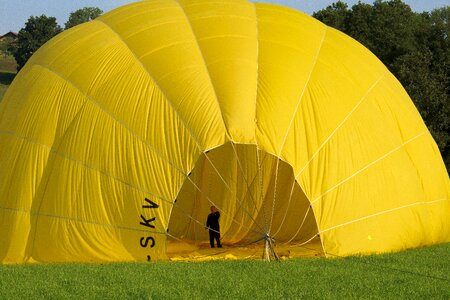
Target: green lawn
[[415, 274], [7, 73]]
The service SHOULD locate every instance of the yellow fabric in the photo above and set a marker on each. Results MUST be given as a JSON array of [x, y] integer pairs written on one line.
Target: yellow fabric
[[119, 134]]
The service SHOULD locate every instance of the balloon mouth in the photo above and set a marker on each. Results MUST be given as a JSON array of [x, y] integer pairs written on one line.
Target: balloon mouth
[[260, 203]]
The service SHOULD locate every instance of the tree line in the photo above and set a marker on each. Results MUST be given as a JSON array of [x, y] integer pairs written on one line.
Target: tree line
[[414, 46], [39, 29]]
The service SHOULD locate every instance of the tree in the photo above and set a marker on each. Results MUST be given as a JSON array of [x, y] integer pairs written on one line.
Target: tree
[[36, 32], [393, 30], [82, 15], [335, 15], [359, 24]]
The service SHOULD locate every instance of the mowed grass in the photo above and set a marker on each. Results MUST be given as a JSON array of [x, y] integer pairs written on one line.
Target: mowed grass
[[415, 274], [7, 73]]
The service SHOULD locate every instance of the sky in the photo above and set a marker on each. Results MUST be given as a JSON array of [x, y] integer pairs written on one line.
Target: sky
[[14, 13]]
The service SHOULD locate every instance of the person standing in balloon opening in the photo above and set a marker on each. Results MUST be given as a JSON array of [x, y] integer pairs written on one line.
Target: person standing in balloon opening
[[212, 223]]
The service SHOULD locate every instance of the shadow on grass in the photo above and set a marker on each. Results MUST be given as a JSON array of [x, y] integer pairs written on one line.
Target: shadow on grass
[[6, 77]]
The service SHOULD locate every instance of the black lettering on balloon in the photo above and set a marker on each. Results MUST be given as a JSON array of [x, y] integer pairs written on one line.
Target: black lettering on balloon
[[144, 242], [152, 204], [147, 222], [148, 241]]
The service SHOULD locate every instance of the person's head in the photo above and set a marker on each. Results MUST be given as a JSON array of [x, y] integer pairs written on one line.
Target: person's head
[[213, 209]]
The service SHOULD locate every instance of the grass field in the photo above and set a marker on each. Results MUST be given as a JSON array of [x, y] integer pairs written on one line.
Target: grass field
[[7, 73], [415, 274]]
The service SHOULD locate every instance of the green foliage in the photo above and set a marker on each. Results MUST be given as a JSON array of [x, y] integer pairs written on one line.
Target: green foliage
[[415, 47], [5, 46], [335, 15], [415, 274], [393, 25], [7, 73], [82, 15], [5, 80], [36, 32]]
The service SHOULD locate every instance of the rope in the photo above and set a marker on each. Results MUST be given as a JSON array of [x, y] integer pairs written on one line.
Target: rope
[[243, 175], [274, 194], [342, 122], [211, 202], [228, 187], [301, 225], [287, 208], [79, 220], [263, 206]]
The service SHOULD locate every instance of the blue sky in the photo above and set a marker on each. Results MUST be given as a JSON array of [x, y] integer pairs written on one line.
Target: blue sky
[[14, 13]]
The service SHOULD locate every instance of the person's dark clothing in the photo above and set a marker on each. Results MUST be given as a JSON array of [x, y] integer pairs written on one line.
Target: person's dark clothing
[[212, 223]]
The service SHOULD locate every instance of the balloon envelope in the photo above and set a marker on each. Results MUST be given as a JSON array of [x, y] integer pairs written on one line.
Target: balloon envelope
[[119, 134]]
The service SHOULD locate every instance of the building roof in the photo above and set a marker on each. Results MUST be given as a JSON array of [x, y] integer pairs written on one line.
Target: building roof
[[9, 34]]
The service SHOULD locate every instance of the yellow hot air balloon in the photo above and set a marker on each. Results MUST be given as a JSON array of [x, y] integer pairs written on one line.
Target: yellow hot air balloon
[[119, 134]]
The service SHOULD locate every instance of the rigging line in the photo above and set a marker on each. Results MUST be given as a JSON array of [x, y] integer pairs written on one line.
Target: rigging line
[[84, 164], [303, 90], [288, 205], [40, 214], [256, 89], [192, 219], [196, 221], [189, 215], [254, 178], [257, 69], [301, 225], [263, 202], [203, 225], [210, 201], [235, 194], [382, 212], [274, 194], [368, 166], [343, 122], [243, 175], [306, 242], [359, 261]]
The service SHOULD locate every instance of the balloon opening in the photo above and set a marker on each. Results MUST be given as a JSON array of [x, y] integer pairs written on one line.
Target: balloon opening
[[263, 210]]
